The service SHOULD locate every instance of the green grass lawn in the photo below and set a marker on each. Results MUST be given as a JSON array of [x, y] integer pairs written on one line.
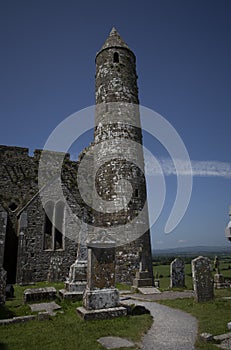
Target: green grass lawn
[[66, 330], [164, 273], [212, 316], [164, 276]]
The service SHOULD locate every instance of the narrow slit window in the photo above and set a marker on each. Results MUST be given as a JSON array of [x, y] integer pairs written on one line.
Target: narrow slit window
[[116, 57], [136, 193], [49, 210], [59, 225]]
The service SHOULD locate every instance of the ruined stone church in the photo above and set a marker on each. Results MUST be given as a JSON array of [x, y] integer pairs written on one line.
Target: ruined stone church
[[34, 247]]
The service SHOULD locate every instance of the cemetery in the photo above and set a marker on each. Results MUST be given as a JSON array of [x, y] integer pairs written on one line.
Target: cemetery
[[94, 285], [210, 307]]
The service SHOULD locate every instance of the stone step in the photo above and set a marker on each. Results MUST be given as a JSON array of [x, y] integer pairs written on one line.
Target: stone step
[[74, 296], [145, 282]]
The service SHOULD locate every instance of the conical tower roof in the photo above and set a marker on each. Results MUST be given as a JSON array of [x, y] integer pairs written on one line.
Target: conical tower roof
[[114, 40]]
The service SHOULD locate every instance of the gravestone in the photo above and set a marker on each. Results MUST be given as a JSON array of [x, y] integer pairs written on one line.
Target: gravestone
[[177, 273], [101, 298], [219, 281], [202, 279]]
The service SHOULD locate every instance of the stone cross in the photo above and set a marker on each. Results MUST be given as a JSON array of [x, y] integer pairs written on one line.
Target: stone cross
[[77, 279], [82, 247], [202, 279], [219, 281], [217, 264], [143, 278]]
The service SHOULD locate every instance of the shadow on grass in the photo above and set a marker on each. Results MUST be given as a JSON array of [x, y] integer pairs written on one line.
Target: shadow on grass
[[5, 313], [3, 346]]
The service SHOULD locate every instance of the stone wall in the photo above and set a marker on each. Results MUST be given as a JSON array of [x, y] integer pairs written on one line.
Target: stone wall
[[25, 225], [23, 248], [3, 222], [35, 263]]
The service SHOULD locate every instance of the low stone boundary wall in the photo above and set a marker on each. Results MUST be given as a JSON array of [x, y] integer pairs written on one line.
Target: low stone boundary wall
[[42, 316], [19, 319]]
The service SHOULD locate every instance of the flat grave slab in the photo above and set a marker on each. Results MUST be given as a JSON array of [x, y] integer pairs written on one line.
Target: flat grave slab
[[49, 307], [149, 290], [115, 342]]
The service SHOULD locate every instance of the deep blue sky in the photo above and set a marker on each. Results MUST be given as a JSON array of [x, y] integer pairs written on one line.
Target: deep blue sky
[[183, 50]]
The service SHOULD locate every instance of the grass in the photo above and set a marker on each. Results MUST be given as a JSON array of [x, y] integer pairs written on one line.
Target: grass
[[212, 316], [66, 330], [15, 307], [122, 286], [164, 276], [164, 273]]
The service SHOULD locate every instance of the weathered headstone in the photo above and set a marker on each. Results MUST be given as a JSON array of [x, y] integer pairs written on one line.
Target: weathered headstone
[[202, 279], [101, 298], [177, 273], [219, 281]]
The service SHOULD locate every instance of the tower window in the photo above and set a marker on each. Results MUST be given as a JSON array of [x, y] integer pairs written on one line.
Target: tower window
[[13, 206], [116, 57], [136, 193]]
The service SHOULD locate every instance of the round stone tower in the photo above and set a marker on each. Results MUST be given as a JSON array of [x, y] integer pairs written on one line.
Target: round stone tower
[[116, 79], [120, 203]]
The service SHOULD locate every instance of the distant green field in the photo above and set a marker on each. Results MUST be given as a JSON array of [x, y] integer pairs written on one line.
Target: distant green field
[[164, 275]]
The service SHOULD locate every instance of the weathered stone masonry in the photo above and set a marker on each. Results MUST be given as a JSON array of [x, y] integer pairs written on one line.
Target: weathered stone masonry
[[24, 256], [34, 250], [117, 119]]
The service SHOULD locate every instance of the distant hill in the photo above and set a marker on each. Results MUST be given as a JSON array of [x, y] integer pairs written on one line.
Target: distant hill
[[198, 250]]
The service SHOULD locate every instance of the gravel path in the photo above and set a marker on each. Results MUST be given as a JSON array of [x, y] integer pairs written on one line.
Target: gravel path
[[171, 330]]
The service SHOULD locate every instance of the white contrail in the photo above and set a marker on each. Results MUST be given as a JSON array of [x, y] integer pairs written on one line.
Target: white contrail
[[207, 168]]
